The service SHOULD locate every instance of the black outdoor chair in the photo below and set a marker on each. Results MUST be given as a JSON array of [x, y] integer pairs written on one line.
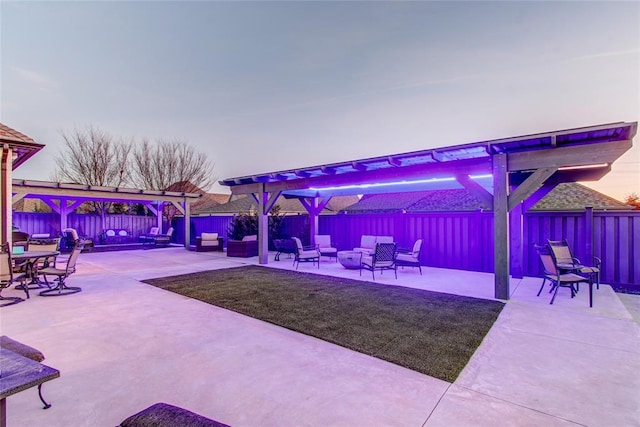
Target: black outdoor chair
[[567, 262], [558, 279], [8, 276], [62, 274], [383, 258]]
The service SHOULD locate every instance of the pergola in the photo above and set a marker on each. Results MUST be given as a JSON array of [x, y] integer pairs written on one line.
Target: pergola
[[510, 174], [63, 198]]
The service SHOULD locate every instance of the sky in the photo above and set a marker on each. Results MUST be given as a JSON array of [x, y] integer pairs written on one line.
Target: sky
[[268, 86]]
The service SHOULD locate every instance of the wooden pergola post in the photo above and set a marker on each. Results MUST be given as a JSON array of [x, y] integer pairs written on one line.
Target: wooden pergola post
[[501, 225], [5, 194]]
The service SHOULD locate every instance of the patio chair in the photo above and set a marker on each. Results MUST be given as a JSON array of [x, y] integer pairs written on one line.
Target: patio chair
[[558, 279], [147, 238], [8, 277], [206, 242], [323, 242], [383, 258], [62, 274], [163, 239], [46, 245], [410, 257], [566, 260], [305, 253]]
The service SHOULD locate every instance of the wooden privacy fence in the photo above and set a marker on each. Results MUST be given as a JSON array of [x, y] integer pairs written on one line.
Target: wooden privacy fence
[[464, 240], [87, 225], [459, 240]]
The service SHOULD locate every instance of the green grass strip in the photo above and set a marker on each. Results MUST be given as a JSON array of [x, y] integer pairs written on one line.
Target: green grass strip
[[429, 332]]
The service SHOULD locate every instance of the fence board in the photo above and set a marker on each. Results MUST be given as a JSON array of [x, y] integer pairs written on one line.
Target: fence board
[[451, 240]]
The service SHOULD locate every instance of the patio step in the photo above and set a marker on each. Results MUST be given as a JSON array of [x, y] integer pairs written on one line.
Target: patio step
[[632, 304]]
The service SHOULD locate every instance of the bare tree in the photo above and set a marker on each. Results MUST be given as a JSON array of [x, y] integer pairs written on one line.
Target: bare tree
[[171, 165], [93, 156]]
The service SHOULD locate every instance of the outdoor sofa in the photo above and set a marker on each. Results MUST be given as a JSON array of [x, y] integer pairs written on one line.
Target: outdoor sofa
[[245, 248], [368, 243]]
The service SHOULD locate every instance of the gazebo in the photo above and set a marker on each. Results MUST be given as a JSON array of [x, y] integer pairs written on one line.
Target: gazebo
[[63, 198], [510, 174]]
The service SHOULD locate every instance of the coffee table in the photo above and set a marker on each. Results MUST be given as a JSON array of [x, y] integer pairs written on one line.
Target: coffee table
[[351, 260]]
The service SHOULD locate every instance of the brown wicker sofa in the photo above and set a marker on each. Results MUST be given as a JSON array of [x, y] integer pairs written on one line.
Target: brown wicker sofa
[[245, 248]]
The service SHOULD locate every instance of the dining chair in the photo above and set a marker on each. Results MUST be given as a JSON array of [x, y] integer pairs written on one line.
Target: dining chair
[[558, 279], [566, 260], [8, 277], [62, 274]]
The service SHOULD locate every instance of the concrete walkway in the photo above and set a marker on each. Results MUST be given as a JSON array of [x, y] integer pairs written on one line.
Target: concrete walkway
[[122, 345]]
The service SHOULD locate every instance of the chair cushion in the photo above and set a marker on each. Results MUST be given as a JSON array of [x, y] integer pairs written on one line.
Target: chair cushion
[[323, 241], [209, 236], [209, 242], [406, 258], [21, 349], [367, 241], [165, 415], [250, 238], [384, 239]]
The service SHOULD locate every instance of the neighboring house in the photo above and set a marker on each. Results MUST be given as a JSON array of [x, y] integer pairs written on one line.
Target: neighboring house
[[565, 197], [31, 205], [245, 203]]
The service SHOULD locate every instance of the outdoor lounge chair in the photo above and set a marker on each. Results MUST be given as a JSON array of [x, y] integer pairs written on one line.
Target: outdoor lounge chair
[[62, 274], [567, 262], [558, 279], [163, 239], [410, 257], [207, 242], [305, 253], [383, 258], [8, 276], [147, 238], [323, 242]]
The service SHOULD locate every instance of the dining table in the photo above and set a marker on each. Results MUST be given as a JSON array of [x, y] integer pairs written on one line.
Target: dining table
[[18, 373], [30, 259]]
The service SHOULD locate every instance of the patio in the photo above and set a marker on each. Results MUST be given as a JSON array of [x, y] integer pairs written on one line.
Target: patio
[[122, 345]]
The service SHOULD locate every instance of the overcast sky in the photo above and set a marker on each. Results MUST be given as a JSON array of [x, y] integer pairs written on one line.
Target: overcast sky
[[266, 86]]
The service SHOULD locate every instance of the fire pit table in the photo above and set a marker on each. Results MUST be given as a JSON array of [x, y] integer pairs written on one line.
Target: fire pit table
[[350, 259]]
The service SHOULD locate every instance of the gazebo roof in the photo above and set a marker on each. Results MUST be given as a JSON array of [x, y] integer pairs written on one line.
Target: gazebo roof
[[375, 174], [23, 146]]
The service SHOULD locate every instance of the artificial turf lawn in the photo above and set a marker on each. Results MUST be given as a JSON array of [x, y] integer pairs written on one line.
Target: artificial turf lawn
[[429, 332]]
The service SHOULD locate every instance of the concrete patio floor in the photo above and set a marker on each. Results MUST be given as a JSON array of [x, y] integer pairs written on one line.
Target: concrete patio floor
[[122, 345]]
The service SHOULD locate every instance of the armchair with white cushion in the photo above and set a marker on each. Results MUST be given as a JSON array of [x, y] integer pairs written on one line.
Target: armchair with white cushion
[[207, 242]]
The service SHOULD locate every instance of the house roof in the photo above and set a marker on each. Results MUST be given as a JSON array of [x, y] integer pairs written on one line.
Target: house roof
[[565, 196], [574, 196], [287, 206], [208, 202]]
